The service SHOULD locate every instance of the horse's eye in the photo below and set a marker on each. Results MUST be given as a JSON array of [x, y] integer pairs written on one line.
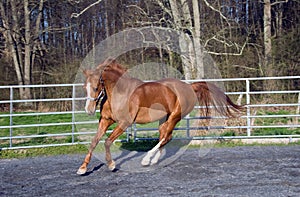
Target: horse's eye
[[95, 89]]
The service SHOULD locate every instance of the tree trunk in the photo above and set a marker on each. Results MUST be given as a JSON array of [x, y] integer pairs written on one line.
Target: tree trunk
[[27, 52], [267, 38], [183, 39], [188, 27], [8, 36], [199, 66], [279, 15], [268, 67], [191, 51], [16, 50]]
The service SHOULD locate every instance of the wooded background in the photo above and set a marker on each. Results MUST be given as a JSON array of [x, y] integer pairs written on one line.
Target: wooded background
[[42, 40]]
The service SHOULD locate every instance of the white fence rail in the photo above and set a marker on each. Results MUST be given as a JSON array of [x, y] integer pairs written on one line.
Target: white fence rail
[[14, 135]]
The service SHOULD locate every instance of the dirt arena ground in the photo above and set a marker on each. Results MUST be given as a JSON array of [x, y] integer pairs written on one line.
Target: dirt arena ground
[[239, 171]]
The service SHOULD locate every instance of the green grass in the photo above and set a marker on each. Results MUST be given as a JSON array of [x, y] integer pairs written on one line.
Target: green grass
[[48, 151], [42, 130], [43, 119], [275, 121]]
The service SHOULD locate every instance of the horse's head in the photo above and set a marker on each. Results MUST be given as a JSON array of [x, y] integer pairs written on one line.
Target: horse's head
[[109, 71], [94, 90]]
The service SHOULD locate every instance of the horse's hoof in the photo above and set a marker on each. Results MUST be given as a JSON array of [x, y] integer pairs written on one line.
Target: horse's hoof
[[145, 162], [81, 171], [112, 166]]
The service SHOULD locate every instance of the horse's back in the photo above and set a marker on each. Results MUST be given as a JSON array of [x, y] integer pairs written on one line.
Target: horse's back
[[157, 99]]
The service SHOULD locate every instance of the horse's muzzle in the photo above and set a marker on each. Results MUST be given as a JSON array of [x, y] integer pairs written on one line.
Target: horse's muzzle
[[90, 110], [90, 113]]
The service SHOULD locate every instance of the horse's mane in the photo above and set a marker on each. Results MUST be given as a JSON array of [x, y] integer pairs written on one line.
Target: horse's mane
[[111, 70], [112, 64]]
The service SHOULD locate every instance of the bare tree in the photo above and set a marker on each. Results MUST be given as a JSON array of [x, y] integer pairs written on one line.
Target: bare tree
[[21, 46], [186, 17], [268, 58], [268, 33]]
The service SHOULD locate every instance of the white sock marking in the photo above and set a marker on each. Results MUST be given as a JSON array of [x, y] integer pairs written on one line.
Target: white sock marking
[[146, 159], [88, 92], [156, 157]]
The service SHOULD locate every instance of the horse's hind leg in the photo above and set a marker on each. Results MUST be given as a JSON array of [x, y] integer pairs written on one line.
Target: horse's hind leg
[[146, 160], [157, 155], [165, 130], [102, 127]]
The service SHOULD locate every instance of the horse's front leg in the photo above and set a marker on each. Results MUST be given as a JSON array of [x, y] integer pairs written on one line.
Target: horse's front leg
[[102, 128], [113, 136]]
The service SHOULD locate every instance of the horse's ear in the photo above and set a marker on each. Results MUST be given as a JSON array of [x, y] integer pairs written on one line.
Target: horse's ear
[[86, 72], [113, 61], [109, 61], [106, 63], [125, 69]]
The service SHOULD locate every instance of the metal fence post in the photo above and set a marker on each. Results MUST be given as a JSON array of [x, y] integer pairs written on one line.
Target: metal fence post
[[188, 127], [134, 132], [73, 112], [297, 110], [128, 133], [11, 97], [248, 107]]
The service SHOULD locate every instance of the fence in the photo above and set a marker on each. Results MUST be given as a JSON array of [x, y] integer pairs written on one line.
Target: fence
[[19, 129]]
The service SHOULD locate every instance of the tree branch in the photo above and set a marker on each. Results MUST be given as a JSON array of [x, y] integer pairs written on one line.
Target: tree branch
[[139, 8], [216, 10], [76, 15], [240, 51], [277, 2]]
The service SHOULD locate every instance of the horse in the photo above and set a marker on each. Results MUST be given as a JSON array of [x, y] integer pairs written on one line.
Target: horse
[[124, 100]]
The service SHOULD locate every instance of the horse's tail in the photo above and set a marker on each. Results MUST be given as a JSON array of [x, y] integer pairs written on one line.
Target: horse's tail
[[209, 94]]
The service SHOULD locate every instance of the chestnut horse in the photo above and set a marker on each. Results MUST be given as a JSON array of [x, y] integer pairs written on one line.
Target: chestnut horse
[[124, 100]]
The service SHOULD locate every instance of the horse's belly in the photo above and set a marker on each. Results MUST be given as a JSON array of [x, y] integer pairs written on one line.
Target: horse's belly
[[146, 115]]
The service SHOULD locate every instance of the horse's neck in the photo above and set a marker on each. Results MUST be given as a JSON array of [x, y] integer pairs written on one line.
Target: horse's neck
[[122, 89]]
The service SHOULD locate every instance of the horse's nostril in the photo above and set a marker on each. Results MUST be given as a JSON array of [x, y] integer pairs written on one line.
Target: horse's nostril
[[90, 112]]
